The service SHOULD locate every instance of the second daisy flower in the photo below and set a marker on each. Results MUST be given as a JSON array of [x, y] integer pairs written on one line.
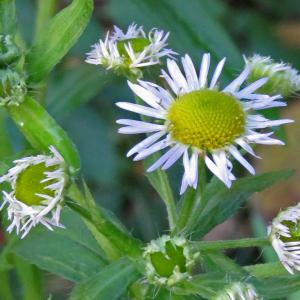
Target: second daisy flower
[[195, 118]]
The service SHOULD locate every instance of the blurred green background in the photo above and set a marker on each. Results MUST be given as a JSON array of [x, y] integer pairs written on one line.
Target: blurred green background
[[81, 98]]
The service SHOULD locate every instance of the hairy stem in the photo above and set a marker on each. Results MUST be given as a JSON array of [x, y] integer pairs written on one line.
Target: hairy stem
[[229, 244]]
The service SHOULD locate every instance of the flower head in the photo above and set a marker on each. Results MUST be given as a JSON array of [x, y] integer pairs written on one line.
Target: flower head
[[284, 234], [127, 52], [238, 291], [169, 260], [195, 118], [37, 186], [283, 79]]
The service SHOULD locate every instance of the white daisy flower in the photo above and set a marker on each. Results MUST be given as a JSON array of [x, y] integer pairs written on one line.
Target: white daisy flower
[[37, 186], [238, 291], [195, 118], [283, 79], [126, 52], [284, 234]]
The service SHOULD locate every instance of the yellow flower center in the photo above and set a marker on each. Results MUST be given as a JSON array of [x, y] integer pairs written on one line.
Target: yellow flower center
[[137, 44], [206, 119], [29, 184]]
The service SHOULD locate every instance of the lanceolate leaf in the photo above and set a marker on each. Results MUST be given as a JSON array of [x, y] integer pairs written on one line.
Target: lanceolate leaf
[[110, 283], [220, 202], [57, 38], [41, 130], [71, 253]]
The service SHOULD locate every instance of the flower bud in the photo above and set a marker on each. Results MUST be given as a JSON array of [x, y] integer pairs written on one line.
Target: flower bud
[[9, 52], [12, 87], [169, 260], [282, 78]]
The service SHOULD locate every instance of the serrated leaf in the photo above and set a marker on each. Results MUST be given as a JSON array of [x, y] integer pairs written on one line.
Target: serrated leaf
[[221, 202], [110, 283], [57, 38], [71, 253]]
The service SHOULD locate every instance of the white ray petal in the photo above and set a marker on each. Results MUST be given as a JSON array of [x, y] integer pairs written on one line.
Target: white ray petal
[[236, 83], [217, 73], [204, 70], [143, 110], [237, 155], [145, 143]]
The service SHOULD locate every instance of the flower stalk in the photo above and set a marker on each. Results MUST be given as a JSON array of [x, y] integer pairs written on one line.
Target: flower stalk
[[230, 244]]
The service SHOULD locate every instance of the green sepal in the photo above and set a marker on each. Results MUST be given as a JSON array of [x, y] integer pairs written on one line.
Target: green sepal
[[41, 131]]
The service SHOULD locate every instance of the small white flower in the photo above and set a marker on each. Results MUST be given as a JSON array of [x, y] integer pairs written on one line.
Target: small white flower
[[37, 186], [238, 291], [129, 51], [195, 118], [283, 79], [284, 234]]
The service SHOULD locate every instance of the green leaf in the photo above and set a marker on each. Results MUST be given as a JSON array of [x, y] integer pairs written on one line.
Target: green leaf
[[57, 38], [45, 10], [112, 237], [205, 285], [110, 283], [31, 279], [71, 253], [41, 130], [192, 27], [279, 287], [221, 202], [74, 87], [5, 289], [8, 23]]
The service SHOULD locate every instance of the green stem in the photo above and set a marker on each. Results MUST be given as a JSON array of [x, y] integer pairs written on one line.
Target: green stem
[[114, 241], [5, 290], [229, 244], [160, 181], [191, 199]]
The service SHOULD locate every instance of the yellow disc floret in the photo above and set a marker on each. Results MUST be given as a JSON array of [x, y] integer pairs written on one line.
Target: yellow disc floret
[[206, 119], [28, 184]]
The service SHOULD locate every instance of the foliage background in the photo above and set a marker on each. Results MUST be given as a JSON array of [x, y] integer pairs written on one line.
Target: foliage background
[[81, 98]]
